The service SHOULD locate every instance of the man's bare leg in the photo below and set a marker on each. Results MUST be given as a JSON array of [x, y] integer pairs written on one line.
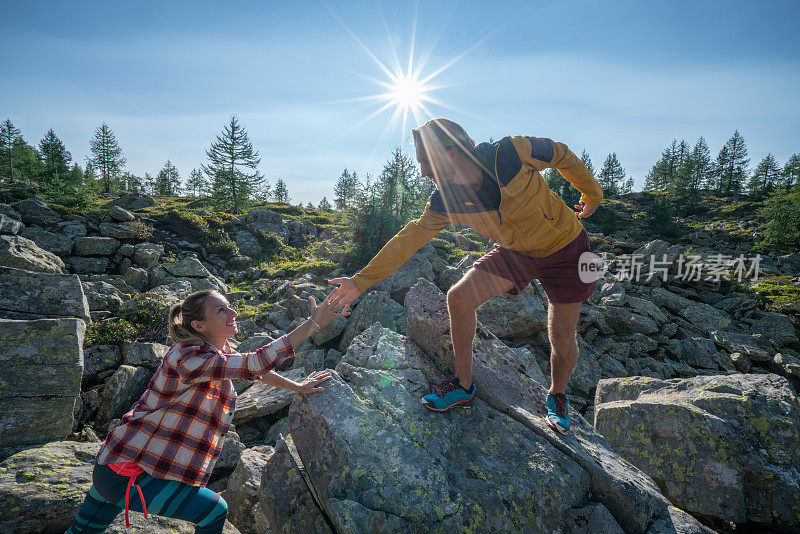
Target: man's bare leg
[[475, 288], [562, 319]]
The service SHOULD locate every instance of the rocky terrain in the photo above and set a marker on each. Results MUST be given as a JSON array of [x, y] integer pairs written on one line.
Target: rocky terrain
[[686, 417]]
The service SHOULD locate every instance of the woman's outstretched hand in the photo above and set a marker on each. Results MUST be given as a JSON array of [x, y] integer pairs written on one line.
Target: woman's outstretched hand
[[309, 384], [325, 312]]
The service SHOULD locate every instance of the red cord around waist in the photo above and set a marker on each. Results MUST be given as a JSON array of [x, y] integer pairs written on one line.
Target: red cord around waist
[[130, 470]]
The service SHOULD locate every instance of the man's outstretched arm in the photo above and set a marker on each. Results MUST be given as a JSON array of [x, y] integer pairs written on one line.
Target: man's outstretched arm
[[393, 254]]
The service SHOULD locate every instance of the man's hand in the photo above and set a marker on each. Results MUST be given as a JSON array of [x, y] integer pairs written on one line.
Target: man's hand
[[309, 384], [345, 294], [585, 209]]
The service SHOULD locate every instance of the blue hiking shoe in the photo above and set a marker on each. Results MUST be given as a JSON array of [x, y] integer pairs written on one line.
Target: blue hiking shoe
[[447, 395], [557, 416]]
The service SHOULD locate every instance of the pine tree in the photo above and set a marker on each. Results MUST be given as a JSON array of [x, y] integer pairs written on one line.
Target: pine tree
[[106, 156], [702, 167], [324, 205], [8, 135], [766, 176], [197, 183], [612, 175], [263, 192], [791, 172], [281, 192], [77, 175], [345, 190], [310, 206], [149, 183], [168, 181], [230, 157], [587, 161], [732, 164], [90, 175], [55, 161], [627, 186], [663, 172], [397, 200]]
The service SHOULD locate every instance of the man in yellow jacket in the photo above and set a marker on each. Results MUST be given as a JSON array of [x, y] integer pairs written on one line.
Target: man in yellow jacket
[[496, 189]]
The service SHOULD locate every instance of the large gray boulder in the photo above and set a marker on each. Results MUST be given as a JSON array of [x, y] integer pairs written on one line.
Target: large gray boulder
[[720, 447], [247, 243], [261, 399], [189, 269], [9, 225], [148, 355], [34, 211], [775, 328], [103, 296], [285, 502], [503, 383], [407, 275], [147, 254], [41, 490], [120, 393], [133, 201], [71, 229], [58, 244], [378, 461], [42, 362], [375, 307], [22, 253], [81, 265], [118, 230], [96, 246], [244, 485], [29, 295], [523, 315], [119, 213], [99, 358]]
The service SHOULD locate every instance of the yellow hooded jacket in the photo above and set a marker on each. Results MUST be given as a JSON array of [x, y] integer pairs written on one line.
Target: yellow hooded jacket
[[513, 206]]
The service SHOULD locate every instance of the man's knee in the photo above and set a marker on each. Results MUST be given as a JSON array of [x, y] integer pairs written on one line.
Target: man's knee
[[564, 341], [459, 296]]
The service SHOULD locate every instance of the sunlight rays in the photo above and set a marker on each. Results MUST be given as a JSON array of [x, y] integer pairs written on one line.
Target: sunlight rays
[[407, 90]]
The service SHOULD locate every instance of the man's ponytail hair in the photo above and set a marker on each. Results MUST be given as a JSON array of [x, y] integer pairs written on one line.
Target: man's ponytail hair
[[181, 315]]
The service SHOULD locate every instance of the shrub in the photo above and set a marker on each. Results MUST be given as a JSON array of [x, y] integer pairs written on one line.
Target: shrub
[[149, 315], [110, 331], [223, 246], [271, 244]]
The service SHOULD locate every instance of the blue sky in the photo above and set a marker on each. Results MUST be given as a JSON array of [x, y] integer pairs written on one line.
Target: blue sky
[[624, 77]]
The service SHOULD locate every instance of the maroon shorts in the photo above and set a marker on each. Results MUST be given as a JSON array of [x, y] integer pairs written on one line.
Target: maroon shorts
[[557, 272]]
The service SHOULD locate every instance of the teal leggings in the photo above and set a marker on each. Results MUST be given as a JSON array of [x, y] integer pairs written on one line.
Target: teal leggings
[[168, 498]]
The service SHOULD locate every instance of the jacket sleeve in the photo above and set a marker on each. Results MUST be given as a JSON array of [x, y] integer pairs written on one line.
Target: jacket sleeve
[[401, 247], [542, 153], [195, 365]]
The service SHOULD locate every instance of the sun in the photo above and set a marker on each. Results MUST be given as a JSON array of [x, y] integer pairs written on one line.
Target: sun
[[408, 93]]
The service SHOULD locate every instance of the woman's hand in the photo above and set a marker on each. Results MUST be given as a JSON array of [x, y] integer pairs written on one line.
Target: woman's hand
[[309, 384], [325, 312]]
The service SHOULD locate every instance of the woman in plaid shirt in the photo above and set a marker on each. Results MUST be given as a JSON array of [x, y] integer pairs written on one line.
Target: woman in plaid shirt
[[167, 444]]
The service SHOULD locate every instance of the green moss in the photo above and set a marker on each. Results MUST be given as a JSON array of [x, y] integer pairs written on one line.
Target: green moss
[[776, 290]]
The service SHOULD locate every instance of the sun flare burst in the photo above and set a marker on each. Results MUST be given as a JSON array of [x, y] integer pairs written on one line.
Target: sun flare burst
[[407, 91]]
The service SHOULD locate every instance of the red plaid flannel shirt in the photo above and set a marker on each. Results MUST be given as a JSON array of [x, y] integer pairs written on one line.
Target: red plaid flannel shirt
[[176, 429]]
